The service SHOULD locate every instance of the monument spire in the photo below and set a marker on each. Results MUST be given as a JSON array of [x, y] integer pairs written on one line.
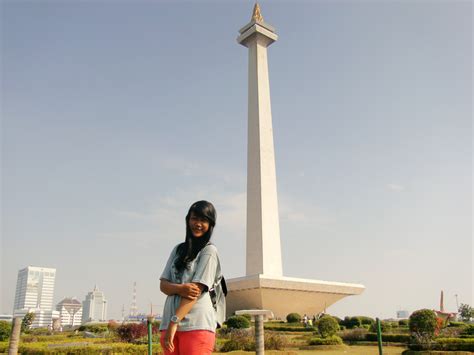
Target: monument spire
[[257, 15], [263, 228]]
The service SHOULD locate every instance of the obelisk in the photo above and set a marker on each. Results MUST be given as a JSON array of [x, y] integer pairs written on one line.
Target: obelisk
[[263, 228], [264, 287]]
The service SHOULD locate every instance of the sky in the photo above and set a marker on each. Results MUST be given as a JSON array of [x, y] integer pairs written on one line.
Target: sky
[[118, 115]]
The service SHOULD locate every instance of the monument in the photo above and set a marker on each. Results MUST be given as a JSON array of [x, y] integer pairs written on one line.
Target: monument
[[264, 286]]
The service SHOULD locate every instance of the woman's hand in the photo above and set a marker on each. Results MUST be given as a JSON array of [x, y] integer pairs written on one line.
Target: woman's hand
[[190, 291], [169, 336]]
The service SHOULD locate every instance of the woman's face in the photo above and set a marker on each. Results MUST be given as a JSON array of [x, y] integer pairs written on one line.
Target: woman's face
[[198, 225]]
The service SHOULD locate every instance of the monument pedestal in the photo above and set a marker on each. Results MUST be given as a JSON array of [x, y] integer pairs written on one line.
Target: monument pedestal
[[283, 295]]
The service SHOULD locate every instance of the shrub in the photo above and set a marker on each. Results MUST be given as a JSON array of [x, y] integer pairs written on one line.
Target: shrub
[[5, 330], [357, 334], [391, 338], [299, 328], [239, 339], [131, 332], [468, 331], [366, 320], [403, 322], [293, 318], [423, 324], [248, 316], [93, 327], [238, 322], [384, 327], [332, 340], [457, 324], [351, 322], [446, 344], [327, 326], [274, 341]]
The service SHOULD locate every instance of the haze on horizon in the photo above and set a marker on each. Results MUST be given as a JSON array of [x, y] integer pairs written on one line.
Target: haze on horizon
[[117, 116]]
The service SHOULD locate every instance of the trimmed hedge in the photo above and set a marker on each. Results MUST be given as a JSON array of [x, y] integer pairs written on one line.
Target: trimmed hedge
[[289, 329], [92, 349], [389, 338], [332, 340], [447, 344]]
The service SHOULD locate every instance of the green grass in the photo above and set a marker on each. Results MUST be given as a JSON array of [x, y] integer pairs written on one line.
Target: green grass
[[331, 350]]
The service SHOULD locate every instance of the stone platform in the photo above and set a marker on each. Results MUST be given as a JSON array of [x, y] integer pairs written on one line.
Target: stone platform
[[283, 295]]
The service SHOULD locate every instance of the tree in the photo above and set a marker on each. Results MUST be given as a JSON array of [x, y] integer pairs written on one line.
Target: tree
[[466, 312], [5, 330], [422, 325], [27, 321], [327, 326]]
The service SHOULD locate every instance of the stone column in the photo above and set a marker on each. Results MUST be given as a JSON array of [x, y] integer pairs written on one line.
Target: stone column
[[263, 229]]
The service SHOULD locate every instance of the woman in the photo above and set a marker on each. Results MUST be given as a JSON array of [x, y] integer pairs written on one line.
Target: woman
[[189, 319]]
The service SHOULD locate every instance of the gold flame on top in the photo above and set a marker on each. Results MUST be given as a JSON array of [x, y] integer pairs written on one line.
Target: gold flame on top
[[257, 15]]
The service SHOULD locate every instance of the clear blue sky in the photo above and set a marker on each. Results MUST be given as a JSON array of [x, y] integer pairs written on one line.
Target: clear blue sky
[[117, 115]]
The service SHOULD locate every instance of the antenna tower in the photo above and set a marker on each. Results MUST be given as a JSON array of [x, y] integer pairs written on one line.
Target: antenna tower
[[133, 307]]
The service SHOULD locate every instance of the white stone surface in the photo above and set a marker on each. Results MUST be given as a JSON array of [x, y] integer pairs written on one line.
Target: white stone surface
[[263, 228], [264, 287], [284, 295]]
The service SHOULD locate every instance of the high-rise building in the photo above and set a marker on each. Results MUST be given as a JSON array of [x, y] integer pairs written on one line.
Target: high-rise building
[[34, 293], [70, 311], [94, 307]]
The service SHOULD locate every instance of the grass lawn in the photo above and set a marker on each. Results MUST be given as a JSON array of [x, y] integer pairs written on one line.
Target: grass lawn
[[332, 350]]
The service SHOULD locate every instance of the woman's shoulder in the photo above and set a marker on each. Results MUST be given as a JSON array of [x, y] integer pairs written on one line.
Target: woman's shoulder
[[209, 249]]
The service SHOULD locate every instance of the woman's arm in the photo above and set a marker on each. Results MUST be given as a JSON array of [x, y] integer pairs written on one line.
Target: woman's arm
[[184, 307], [189, 291]]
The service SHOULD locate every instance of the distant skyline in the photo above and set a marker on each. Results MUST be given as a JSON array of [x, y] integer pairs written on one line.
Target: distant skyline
[[116, 116]]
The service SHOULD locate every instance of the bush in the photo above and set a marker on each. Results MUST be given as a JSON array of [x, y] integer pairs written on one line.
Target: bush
[[366, 320], [327, 326], [293, 318], [332, 340], [446, 344], [357, 334], [131, 332], [390, 338], [403, 322], [457, 324], [469, 330], [351, 322], [239, 339], [423, 324], [5, 330], [93, 328], [274, 341], [248, 316], [299, 328], [238, 322], [384, 327]]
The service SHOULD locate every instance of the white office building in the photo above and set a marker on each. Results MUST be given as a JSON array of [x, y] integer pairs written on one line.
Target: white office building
[[34, 293], [70, 312], [94, 307]]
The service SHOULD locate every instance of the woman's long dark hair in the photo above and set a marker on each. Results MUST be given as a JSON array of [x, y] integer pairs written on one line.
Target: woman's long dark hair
[[188, 250]]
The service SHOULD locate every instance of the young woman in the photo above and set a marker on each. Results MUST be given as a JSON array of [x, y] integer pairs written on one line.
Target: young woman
[[189, 319]]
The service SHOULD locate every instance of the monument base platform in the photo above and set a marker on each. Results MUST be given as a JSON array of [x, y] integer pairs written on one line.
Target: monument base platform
[[283, 295]]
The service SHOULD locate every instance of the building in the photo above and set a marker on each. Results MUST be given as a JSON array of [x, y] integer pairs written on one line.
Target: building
[[6, 317], [94, 307], [34, 293], [70, 312], [403, 314]]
